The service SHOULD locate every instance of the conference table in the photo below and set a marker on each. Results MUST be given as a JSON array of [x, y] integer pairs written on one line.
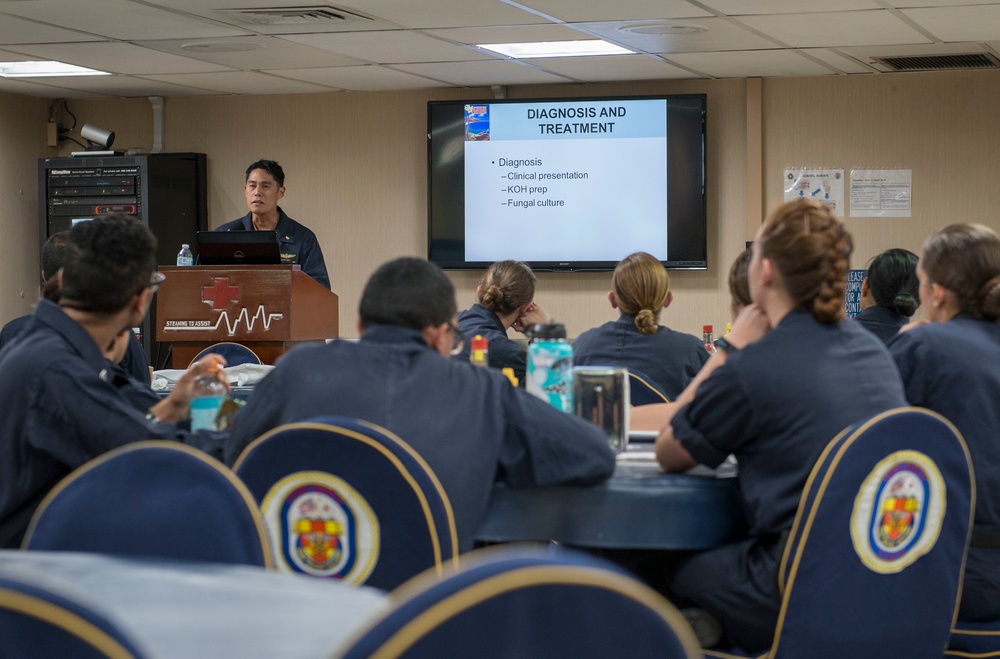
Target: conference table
[[242, 379], [640, 507], [190, 610]]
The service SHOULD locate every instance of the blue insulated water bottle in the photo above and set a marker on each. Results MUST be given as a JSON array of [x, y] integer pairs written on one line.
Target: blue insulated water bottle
[[550, 366]]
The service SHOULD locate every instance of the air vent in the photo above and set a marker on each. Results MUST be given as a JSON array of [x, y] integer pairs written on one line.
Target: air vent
[[940, 62], [313, 15]]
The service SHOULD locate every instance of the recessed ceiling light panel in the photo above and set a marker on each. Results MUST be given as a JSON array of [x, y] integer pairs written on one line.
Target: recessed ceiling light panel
[[587, 48], [45, 70]]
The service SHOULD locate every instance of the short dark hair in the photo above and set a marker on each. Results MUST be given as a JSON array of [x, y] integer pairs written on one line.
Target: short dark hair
[[893, 283], [739, 284], [54, 254], [110, 260], [407, 292], [269, 166]]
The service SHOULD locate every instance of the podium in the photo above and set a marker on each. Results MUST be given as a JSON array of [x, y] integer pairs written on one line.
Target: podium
[[268, 308]]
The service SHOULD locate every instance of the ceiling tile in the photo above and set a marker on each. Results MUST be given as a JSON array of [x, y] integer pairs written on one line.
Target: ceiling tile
[[837, 60], [120, 86], [750, 63], [936, 3], [269, 53], [612, 68], [385, 14], [360, 78], [835, 29], [235, 13], [118, 57], [507, 34], [118, 19], [240, 82], [11, 56], [719, 34], [575, 11], [441, 13], [482, 74], [18, 30], [395, 47], [977, 23], [45, 91], [751, 7]]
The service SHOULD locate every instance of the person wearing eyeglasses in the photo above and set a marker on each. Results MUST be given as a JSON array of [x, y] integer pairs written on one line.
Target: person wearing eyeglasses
[[62, 401], [264, 187], [469, 424], [132, 359]]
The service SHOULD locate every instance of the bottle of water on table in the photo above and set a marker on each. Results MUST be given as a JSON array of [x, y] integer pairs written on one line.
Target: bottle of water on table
[[185, 257], [209, 394]]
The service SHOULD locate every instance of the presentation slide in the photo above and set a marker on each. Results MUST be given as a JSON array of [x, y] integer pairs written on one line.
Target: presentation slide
[[584, 179]]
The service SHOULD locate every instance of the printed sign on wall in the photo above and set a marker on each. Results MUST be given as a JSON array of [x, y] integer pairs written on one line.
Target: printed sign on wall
[[852, 305], [823, 185], [881, 192]]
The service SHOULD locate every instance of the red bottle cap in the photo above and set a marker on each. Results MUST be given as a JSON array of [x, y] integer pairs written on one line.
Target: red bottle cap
[[479, 343], [706, 328]]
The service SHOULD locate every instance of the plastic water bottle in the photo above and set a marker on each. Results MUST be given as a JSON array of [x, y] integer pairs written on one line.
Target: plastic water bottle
[[479, 350], [185, 257], [709, 339], [550, 366], [209, 394]]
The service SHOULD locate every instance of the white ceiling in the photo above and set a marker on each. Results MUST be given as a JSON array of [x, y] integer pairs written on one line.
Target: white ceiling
[[185, 47]]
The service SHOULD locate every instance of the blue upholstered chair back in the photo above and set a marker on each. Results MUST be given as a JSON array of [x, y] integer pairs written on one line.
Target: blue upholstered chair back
[[153, 499], [643, 391], [517, 602], [974, 639], [874, 560], [234, 353], [349, 500], [37, 622]]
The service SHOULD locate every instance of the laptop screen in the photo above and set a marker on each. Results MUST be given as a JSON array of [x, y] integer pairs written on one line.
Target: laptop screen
[[238, 248]]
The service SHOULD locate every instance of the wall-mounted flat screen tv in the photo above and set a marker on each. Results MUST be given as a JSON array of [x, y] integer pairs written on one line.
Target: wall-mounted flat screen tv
[[567, 184]]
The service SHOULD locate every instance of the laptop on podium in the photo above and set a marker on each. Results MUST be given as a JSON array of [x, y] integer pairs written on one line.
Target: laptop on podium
[[238, 248]]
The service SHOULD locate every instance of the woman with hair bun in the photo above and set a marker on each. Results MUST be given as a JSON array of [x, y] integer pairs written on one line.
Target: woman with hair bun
[[889, 293], [951, 365], [641, 291], [505, 298], [779, 389]]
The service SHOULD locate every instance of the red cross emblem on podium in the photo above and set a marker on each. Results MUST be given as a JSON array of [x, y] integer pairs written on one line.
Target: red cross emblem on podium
[[220, 293]]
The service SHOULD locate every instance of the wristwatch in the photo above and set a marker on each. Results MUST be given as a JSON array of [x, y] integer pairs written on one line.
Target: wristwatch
[[722, 344]]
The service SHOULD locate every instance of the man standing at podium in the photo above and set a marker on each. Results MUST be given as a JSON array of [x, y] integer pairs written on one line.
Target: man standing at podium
[[265, 185]]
